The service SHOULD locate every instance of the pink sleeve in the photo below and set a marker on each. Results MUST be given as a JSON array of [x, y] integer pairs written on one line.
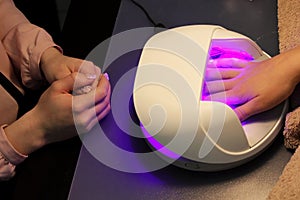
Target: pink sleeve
[[8, 151], [7, 170], [9, 156], [24, 43]]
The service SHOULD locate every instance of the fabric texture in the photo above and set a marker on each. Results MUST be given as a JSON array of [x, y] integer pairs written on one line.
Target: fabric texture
[[9, 156], [287, 186], [288, 31], [21, 47], [291, 131], [8, 151]]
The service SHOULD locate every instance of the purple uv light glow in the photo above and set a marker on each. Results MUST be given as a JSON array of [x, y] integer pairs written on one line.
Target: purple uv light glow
[[158, 146], [215, 53], [220, 53]]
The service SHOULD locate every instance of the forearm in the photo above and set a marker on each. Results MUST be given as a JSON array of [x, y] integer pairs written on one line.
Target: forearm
[[25, 134], [10, 16], [48, 58], [24, 43], [288, 63], [17, 140]]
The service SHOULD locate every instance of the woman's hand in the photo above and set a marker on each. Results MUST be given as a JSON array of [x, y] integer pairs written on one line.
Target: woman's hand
[[252, 87], [61, 109], [53, 118], [56, 66]]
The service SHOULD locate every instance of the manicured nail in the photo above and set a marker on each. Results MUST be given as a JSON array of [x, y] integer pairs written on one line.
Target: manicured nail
[[106, 76], [86, 89], [212, 62], [91, 76]]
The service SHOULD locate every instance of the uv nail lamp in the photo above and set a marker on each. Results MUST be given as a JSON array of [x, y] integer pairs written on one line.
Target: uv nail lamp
[[177, 124]]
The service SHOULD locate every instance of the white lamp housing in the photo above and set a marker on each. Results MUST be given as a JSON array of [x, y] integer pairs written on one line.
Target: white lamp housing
[[195, 134]]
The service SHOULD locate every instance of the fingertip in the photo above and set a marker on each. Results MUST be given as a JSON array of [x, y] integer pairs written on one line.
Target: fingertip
[[98, 70], [104, 82], [241, 114], [104, 113], [211, 63], [106, 76]]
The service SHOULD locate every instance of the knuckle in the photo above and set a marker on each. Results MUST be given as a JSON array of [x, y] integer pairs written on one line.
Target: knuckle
[[55, 85], [87, 65], [108, 107], [102, 93], [105, 102], [241, 114], [77, 107], [81, 122], [74, 75]]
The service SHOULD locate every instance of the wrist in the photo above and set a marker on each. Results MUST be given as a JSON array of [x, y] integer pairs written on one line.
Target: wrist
[[290, 59], [8, 151], [288, 63], [48, 56], [26, 134]]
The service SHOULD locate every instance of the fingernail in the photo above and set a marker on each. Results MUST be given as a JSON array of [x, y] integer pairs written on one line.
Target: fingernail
[[211, 61], [106, 76], [87, 89], [91, 76]]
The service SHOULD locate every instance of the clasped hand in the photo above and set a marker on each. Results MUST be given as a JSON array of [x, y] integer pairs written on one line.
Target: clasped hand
[[59, 108]]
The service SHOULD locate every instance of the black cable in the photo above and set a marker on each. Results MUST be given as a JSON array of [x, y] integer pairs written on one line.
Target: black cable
[[147, 15]]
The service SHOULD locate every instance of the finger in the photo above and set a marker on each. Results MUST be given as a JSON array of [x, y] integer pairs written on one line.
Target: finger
[[212, 87], [102, 89], [85, 119], [91, 98], [88, 67], [244, 110], [227, 97], [87, 88], [106, 76], [82, 80], [212, 74], [92, 118], [73, 81], [99, 107], [248, 109], [220, 97], [227, 63], [104, 112]]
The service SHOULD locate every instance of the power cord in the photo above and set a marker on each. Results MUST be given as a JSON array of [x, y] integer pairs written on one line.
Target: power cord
[[147, 15]]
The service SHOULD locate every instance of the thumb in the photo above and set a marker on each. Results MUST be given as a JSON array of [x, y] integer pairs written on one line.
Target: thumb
[[82, 80], [248, 109], [74, 81]]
